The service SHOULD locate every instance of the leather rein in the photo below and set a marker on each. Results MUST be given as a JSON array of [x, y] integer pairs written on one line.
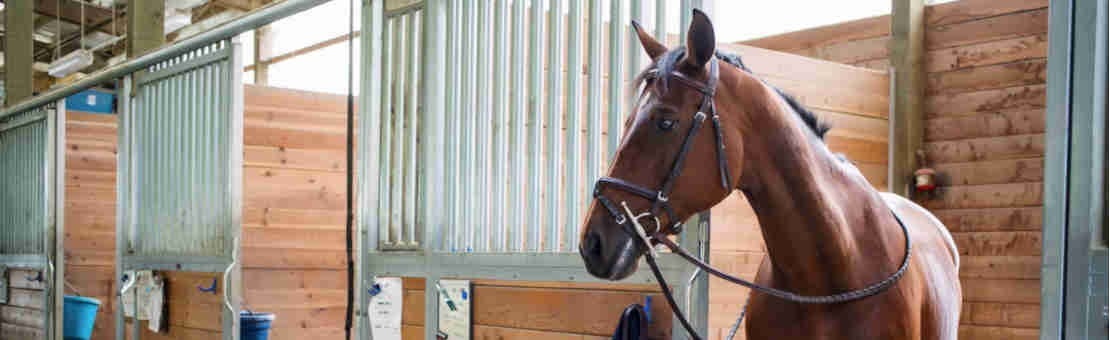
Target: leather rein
[[660, 201]]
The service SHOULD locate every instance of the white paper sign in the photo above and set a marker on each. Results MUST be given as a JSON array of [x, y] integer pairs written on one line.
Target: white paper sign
[[157, 296], [454, 309], [385, 309]]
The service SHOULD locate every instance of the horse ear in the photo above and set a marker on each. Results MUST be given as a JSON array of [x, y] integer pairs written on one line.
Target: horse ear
[[653, 47], [701, 42]]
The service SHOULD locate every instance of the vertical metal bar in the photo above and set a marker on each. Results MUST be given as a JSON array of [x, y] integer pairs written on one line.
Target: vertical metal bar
[[535, 110], [554, 120], [615, 114], [593, 96], [635, 13], [684, 16], [661, 21], [234, 95], [500, 114], [517, 147], [572, 194], [124, 179], [400, 59], [452, 127], [432, 116], [368, 137], [468, 116], [410, 128], [483, 138]]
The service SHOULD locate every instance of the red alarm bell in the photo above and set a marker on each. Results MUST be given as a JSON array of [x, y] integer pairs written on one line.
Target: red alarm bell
[[925, 179]]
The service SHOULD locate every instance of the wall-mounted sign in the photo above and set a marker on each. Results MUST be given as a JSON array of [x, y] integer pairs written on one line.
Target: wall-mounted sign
[[454, 309], [386, 299]]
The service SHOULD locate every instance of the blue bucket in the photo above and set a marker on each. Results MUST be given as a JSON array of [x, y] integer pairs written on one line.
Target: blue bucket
[[79, 315], [255, 326]]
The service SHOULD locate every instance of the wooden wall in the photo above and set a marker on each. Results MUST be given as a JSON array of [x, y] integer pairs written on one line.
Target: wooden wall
[[984, 132], [857, 107], [22, 316]]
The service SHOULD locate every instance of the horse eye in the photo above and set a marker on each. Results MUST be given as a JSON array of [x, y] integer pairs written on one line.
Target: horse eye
[[666, 124]]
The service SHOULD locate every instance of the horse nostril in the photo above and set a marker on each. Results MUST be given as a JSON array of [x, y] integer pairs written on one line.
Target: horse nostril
[[592, 245]]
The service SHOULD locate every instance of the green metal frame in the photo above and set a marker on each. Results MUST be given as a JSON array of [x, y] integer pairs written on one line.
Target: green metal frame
[[1074, 261]]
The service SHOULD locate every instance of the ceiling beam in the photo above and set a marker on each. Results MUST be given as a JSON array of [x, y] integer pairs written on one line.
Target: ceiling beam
[[71, 12]]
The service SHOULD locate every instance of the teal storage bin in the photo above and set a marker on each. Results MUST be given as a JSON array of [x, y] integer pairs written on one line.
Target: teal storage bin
[[79, 317]]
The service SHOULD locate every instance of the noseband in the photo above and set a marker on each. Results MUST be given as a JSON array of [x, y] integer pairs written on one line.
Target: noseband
[[660, 201]]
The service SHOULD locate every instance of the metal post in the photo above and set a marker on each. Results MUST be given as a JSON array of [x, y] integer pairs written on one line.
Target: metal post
[[661, 21], [484, 119], [451, 128], [58, 232], [370, 43]]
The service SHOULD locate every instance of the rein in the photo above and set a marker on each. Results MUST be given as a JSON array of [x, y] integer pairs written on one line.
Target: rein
[[630, 221]]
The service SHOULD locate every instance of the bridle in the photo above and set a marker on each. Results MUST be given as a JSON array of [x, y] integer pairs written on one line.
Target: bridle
[[660, 201]]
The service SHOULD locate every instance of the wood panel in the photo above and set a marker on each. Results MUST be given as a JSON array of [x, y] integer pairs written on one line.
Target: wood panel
[[984, 135]]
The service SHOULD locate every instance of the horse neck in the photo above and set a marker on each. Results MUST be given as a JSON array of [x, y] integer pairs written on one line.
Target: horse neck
[[819, 217]]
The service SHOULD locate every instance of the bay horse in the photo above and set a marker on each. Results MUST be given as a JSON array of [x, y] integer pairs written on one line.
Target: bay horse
[[827, 230]]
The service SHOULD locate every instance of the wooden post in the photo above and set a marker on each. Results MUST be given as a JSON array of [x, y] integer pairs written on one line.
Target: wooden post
[[145, 26], [19, 23], [907, 49], [263, 51]]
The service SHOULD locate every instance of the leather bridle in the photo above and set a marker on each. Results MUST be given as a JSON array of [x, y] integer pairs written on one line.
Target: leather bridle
[[660, 201]]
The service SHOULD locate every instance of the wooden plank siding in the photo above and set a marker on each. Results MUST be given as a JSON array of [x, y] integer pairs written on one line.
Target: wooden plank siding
[[22, 316], [984, 134]]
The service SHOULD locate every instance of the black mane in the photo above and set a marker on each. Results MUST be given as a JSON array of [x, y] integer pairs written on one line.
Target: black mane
[[667, 63]]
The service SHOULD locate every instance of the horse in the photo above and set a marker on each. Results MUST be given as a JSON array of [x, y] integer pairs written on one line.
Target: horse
[[827, 230]]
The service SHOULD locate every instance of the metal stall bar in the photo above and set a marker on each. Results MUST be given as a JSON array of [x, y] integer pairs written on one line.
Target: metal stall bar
[[535, 123], [593, 97], [412, 125], [517, 117], [661, 21], [572, 186], [554, 120], [614, 113], [466, 114], [369, 132], [483, 141], [498, 222], [451, 127], [396, 117], [384, 144]]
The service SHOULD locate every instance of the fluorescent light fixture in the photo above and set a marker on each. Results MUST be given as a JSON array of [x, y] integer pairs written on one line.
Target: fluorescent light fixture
[[73, 62]]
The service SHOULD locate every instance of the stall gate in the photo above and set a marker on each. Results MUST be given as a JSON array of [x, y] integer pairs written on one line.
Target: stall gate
[[31, 201], [180, 172], [478, 150]]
